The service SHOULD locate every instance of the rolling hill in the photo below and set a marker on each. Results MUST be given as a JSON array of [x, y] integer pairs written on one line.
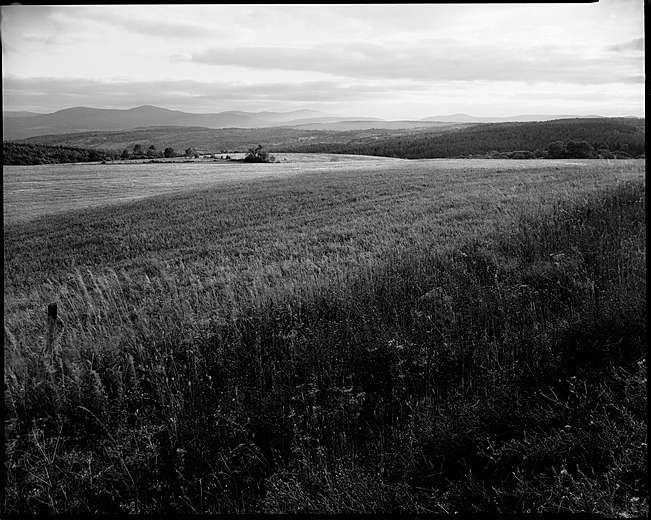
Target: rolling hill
[[626, 135], [524, 118], [82, 119], [356, 124], [11, 114], [23, 124], [180, 138], [228, 139]]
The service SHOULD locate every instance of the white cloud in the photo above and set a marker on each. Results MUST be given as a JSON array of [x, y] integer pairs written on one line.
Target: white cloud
[[187, 94], [636, 44], [433, 59], [366, 59]]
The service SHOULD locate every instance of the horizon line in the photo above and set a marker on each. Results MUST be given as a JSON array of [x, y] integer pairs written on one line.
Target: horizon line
[[465, 114]]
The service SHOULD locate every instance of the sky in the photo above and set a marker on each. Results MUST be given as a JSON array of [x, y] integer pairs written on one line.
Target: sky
[[394, 61]]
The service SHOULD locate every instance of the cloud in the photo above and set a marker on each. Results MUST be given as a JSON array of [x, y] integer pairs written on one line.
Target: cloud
[[30, 22], [55, 93], [430, 60], [156, 27], [385, 98], [55, 24], [33, 14], [580, 95], [636, 44]]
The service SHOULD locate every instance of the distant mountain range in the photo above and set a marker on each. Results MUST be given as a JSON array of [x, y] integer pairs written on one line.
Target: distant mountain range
[[526, 118], [18, 125], [23, 124], [9, 114]]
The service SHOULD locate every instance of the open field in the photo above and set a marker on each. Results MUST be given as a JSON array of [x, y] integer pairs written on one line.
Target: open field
[[32, 191], [331, 336]]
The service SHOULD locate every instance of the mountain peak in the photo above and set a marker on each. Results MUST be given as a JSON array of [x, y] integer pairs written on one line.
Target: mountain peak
[[149, 108]]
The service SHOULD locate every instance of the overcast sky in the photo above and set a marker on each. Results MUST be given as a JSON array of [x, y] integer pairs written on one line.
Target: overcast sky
[[391, 61]]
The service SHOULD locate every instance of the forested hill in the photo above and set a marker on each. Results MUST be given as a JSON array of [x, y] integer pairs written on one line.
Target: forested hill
[[561, 138], [21, 153]]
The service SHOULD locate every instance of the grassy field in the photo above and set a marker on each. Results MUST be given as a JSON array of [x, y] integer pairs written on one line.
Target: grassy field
[[32, 191], [403, 335]]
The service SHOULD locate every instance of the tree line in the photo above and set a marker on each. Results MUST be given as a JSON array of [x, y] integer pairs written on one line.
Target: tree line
[[138, 152], [31, 153], [23, 154], [568, 150]]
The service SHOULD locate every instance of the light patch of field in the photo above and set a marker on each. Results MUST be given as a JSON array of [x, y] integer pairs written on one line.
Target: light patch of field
[[33, 191], [317, 218]]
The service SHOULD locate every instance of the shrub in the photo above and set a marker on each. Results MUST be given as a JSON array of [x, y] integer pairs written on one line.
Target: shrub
[[258, 155], [522, 154]]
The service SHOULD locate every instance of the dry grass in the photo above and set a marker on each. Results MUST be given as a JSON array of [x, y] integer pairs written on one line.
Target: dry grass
[[422, 340]]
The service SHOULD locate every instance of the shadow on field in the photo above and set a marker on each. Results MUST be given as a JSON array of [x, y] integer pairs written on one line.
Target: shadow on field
[[507, 375]]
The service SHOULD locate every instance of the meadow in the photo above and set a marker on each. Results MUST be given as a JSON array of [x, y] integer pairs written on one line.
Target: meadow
[[363, 335], [32, 191]]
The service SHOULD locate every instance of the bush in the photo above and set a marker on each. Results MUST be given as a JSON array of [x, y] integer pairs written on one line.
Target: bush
[[579, 150], [522, 154], [258, 155], [556, 150]]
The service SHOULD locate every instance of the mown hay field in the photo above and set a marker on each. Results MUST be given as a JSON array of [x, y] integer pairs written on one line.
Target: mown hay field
[[32, 191], [431, 335]]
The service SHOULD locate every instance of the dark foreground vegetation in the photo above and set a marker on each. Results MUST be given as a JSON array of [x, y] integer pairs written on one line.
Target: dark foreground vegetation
[[564, 138], [504, 373]]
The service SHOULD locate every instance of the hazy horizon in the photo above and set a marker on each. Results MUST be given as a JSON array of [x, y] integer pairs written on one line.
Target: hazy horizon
[[325, 114], [392, 61]]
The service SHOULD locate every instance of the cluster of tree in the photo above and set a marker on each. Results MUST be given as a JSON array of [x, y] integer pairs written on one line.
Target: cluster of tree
[[24, 154], [575, 138], [561, 150], [138, 152], [191, 152], [258, 155], [517, 154], [584, 150]]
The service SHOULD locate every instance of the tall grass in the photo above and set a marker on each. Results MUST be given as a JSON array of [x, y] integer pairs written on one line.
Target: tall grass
[[503, 374]]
